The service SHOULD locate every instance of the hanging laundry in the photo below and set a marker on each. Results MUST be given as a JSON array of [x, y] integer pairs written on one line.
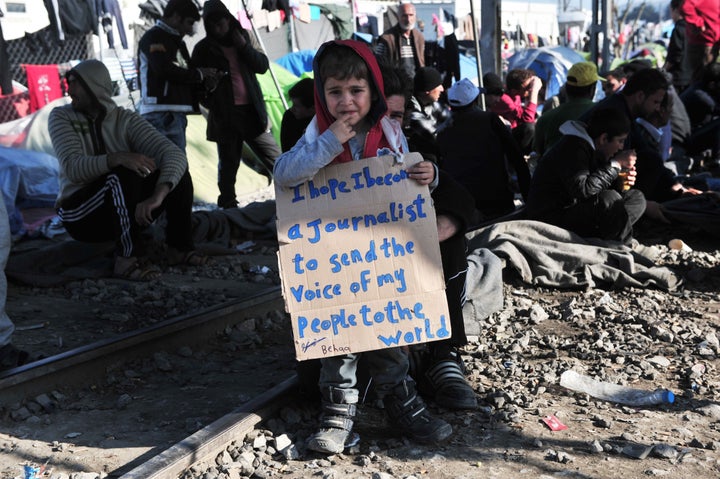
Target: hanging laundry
[[43, 85], [108, 10]]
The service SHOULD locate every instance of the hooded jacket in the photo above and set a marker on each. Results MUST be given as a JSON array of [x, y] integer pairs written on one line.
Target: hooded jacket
[[570, 172], [167, 82], [319, 147], [82, 142], [220, 102]]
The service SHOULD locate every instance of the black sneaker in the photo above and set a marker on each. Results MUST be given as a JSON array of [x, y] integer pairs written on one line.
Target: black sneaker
[[12, 357], [451, 390], [408, 413]]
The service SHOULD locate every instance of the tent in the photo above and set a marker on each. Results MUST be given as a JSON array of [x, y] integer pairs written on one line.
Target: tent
[[551, 64]]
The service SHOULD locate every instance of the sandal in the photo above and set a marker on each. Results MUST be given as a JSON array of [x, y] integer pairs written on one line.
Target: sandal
[[188, 258], [135, 271]]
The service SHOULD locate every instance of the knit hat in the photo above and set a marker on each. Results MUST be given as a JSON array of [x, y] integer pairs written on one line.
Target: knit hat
[[492, 84], [427, 78], [462, 93], [583, 74]]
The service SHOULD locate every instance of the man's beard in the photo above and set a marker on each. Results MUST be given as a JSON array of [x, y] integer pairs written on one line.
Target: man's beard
[[407, 28]]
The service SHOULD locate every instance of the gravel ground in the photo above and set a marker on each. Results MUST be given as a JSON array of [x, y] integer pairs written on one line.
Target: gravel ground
[[641, 337]]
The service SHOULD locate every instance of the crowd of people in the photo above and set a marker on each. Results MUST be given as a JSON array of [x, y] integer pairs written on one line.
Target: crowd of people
[[601, 165]]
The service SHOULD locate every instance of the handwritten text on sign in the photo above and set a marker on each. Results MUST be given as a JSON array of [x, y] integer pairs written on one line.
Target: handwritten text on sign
[[360, 260]]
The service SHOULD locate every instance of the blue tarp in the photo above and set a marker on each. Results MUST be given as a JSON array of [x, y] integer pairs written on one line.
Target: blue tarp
[[549, 63], [297, 63], [29, 179]]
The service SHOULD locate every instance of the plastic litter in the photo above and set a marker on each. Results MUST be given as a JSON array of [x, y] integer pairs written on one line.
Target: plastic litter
[[614, 392]]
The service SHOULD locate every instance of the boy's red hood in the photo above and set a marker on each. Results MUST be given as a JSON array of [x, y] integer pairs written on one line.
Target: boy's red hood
[[375, 138]]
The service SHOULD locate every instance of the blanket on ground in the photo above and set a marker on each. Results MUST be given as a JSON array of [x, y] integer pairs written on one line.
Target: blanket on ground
[[56, 261], [546, 255]]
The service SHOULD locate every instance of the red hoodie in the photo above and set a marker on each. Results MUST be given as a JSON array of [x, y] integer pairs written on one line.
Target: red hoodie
[[375, 138], [701, 14]]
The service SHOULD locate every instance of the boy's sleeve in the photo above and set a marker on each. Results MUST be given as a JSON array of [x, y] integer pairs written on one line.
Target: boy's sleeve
[[305, 159]]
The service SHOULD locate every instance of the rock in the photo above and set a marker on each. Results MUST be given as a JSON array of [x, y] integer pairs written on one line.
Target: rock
[[665, 451], [637, 451]]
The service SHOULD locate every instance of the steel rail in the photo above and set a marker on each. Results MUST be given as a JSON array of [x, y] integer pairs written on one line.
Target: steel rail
[[86, 362]]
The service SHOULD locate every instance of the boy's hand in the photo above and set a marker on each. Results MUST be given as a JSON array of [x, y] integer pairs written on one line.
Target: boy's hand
[[626, 158], [342, 130], [423, 172]]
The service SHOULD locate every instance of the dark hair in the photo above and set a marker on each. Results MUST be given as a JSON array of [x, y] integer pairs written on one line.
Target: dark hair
[[587, 91], [341, 62], [515, 78], [710, 73], [303, 91], [648, 81], [676, 4], [395, 80], [184, 8], [611, 121], [618, 73]]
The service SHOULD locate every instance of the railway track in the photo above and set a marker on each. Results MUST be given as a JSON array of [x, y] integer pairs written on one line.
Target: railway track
[[88, 365]]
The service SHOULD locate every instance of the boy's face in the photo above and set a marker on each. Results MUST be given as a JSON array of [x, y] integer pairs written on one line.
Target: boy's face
[[396, 107], [348, 99], [611, 85], [609, 145]]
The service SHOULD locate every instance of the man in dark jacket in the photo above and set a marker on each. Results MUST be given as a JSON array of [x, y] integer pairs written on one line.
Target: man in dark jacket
[[168, 85], [403, 45], [477, 149], [236, 107], [676, 62], [577, 184]]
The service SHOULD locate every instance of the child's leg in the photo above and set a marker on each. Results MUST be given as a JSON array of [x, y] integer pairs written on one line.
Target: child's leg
[[339, 402], [405, 408]]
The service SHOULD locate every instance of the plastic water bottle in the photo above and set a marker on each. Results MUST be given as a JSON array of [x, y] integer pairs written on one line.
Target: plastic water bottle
[[614, 392]]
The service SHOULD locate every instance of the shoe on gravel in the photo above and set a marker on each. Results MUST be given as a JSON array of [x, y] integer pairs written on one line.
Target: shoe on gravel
[[451, 390], [329, 440], [335, 428], [12, 357], [408, 413]]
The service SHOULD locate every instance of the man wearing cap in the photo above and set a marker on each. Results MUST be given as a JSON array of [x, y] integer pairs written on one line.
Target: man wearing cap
[[403, 44], [425, 112], [580, 88], [476, 148]]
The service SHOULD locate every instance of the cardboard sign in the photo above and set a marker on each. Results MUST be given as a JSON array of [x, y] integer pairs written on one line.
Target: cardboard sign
[[360, 259]]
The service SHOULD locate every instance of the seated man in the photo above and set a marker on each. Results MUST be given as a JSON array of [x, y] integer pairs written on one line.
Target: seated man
[[478, 150], [118, 173], [582, 79], [297, 117], [518, 105], [577, 184], [702, 102]]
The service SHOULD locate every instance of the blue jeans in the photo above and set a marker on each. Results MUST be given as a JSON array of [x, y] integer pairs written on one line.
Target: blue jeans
[[387, 367], [6, 326], [171, 124]]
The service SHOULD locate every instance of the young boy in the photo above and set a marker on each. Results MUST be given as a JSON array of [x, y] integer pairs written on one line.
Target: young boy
[[577, 184], [350, 124]]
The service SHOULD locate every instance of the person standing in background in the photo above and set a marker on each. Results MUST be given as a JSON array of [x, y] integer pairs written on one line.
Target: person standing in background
[[10, 356], [168, 84], [676, 62], [236, 106], [403, 45], [702, 33]]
